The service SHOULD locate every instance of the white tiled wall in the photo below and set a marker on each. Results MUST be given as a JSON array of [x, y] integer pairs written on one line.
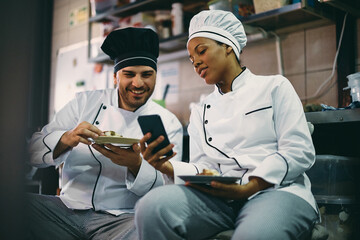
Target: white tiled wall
[[307, 59], [261, 57], [320, 48], [64, 35], [293, 46]]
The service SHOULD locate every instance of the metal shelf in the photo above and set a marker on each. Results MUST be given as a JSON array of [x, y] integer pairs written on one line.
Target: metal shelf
[[336, 132], [336, 116], [335, 199], [290, 15], [351, 6], [304, 12], [131, 8], [173, 43], [169, 45]]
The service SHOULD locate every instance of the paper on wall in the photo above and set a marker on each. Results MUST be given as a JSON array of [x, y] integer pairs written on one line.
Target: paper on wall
[[168, 74]]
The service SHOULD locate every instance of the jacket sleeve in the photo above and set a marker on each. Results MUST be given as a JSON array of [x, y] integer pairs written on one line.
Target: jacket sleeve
[[147, 177], [43, 143], [295, 152], [176, 136]]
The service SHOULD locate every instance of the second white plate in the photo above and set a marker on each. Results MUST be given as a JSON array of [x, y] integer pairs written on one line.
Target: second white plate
[[204, 179]]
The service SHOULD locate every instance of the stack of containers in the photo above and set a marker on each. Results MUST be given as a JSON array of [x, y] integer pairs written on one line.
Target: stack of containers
[[354, 85]]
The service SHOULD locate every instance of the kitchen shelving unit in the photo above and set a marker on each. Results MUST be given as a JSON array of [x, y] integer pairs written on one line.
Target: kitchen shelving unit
[[304, 14]]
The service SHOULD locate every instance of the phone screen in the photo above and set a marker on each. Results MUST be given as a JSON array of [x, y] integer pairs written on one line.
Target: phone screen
[[154, 125]]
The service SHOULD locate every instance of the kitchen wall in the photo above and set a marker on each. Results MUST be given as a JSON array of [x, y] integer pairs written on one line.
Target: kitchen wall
[[307, 59]]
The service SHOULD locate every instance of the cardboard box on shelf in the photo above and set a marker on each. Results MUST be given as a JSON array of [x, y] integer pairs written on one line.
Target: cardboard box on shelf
[[241, 8], [141, 19], [100, 6], [267, 5]]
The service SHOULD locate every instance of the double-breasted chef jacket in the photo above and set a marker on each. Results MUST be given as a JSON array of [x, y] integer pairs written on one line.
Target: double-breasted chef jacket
[[258, 129], [89, 179]]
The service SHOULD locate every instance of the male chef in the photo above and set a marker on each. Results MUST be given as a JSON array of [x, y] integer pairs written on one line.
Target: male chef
[[102, 183]]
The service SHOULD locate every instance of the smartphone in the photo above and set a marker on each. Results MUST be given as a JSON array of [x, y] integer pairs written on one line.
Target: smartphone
[[154, 125]]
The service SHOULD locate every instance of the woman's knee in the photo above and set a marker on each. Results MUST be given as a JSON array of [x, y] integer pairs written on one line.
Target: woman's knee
[[260, 232]]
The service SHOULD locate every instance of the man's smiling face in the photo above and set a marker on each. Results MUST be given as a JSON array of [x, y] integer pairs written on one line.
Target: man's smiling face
[[136, 84]]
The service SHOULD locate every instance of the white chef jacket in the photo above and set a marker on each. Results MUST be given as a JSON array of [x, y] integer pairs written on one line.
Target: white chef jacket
[[89, 179], [258, 129]]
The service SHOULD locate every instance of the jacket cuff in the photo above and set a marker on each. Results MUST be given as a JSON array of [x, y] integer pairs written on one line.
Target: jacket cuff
[[182, 168], [50, 141], [147, 178], [273, 169]]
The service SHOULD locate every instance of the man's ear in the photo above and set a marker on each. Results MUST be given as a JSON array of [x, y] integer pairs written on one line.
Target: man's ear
[[115, 80]]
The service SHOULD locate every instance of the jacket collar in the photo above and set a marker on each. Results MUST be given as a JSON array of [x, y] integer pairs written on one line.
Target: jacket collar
[[238, 81], [115, 98]]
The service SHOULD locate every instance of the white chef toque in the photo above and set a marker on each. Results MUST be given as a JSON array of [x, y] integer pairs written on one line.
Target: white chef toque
[[221, 26]]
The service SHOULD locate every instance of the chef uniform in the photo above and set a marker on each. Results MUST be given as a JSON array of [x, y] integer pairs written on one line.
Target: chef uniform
[[89, 179], [257, 129]]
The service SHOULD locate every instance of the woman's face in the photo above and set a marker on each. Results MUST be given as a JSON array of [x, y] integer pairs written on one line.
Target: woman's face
[[208, 58]]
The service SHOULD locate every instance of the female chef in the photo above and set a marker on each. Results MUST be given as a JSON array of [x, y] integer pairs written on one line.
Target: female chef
[[252, 127]]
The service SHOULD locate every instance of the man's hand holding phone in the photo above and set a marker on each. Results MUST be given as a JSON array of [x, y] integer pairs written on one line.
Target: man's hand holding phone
[[155, 146]]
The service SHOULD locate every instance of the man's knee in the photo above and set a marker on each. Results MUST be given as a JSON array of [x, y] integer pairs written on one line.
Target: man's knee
[[145, 208], [149, 207]]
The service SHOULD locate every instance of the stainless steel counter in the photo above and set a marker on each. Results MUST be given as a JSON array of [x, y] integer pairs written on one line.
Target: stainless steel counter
[[337, 116]]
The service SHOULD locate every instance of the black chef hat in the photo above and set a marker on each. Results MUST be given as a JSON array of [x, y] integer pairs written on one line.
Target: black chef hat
[[132, 47]]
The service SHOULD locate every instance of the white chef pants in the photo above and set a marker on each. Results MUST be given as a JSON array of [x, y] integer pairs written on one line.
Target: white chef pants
[[50, 219], [180, 212]]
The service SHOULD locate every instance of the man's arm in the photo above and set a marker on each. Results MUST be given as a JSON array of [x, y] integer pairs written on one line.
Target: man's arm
[[60, 135], [60, 148]]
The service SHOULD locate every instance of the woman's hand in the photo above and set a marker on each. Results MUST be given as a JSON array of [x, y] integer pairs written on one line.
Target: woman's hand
[[157, 160], [233, 191]]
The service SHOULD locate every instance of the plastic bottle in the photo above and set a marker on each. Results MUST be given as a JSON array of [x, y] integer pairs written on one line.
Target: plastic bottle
[[177, 19], [354, 84]]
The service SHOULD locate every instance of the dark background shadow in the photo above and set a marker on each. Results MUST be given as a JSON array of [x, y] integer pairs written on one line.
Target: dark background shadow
[[25, 50]]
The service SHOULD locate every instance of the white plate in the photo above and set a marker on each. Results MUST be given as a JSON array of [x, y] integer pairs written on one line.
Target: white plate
[[204, 179], [116, 140]]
